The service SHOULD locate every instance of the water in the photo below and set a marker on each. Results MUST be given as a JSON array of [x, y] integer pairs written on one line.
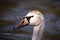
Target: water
[[11, 15], [9, 36]]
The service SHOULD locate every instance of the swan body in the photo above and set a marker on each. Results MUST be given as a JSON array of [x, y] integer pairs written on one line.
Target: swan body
[[36, 19]]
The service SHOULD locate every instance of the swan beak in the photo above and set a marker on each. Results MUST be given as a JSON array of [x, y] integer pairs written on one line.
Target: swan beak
[[23, 23]]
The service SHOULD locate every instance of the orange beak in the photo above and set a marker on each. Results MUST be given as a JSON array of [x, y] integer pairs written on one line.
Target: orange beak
[[23, 23]]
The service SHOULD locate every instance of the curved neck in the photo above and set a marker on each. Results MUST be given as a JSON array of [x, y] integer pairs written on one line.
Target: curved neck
[[38, 32]]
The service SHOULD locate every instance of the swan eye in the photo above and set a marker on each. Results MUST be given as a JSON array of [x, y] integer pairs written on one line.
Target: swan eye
[[31, 16], [28, 18]]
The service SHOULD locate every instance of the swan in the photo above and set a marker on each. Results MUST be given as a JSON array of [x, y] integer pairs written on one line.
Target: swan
[[36, 19]]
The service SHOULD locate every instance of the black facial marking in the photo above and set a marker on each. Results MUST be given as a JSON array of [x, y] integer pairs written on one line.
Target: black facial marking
[[28, 18]]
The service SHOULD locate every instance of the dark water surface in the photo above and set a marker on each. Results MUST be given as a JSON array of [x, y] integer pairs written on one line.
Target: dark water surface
[[12, 12]]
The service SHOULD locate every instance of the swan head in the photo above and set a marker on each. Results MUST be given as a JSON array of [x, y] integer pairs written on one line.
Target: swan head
[[32, 18]]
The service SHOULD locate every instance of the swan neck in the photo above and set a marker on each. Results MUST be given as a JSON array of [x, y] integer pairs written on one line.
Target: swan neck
[[37, 32]]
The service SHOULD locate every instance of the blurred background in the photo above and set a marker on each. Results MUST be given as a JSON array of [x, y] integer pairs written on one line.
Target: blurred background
[[12, 12]]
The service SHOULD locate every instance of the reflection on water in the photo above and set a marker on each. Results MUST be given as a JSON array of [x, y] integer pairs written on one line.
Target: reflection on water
[[12, 11], [13, 36]]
